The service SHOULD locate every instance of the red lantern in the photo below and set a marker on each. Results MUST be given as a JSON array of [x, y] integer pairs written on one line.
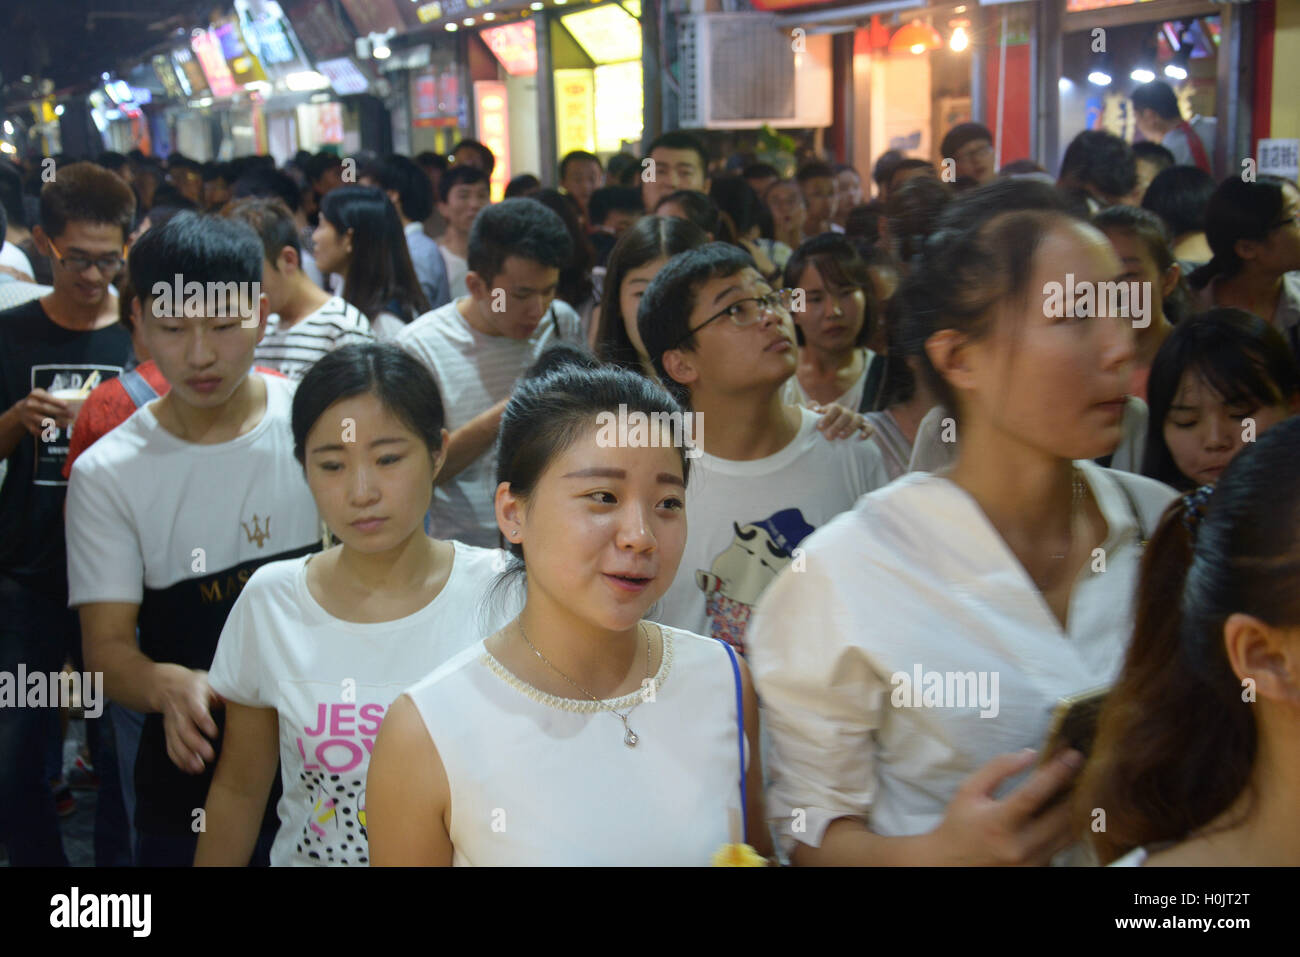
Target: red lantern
[[915, 37]]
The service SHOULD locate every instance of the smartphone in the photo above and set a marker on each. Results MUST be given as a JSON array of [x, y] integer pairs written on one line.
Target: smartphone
[[1074, 723]]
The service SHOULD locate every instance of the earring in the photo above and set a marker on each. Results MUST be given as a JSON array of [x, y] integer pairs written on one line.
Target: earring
[[514, 533]]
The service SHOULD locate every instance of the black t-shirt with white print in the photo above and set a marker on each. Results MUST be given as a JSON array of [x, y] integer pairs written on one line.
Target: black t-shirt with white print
[[36, 352], [179, 528]]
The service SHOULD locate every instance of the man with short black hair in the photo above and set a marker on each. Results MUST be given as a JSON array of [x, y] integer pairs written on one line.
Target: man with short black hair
[[817, 183], [580, 176], [723, 342], [473, 153], [1159, 118], [760, 176], [970, 147], [408, 188], [478, 345], [1099, 168], [434, 165], [50, 348], [1151, 159], [613, 209], [677, 161], [463, 194], [172, 511]]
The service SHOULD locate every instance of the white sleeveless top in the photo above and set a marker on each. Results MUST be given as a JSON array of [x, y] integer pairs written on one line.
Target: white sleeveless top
[[537, 780]]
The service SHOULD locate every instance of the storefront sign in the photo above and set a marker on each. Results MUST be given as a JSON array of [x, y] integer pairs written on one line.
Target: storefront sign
[[344, 76], [458, 9], [436, 98], [208, 49], [575, 110], [244, 67], [1280, 157], [515, 45], [608, 33], [189, 74], [494, 130]]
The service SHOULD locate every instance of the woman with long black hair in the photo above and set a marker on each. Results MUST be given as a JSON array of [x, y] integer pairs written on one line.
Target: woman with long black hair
[[360, 237]]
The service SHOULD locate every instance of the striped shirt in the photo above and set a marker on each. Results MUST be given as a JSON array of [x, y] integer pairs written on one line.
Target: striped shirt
[[474, 372], [292, 351]]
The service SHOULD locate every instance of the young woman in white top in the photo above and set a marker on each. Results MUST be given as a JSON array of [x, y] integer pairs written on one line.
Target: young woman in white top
[[360, 238], [1197, 756], [909, 669], [839, 314], [579, 733], [316, 648]]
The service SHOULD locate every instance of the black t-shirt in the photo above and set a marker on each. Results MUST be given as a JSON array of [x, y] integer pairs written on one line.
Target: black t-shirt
[[36, 352]]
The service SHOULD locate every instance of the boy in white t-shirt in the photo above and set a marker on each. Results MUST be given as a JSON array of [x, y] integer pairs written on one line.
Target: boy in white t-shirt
[[724, 342], [306, 322], [170, 513], [477, 346]]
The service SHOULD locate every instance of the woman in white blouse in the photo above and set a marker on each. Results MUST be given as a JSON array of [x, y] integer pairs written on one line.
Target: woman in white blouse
[[910, 667], [579, 733]]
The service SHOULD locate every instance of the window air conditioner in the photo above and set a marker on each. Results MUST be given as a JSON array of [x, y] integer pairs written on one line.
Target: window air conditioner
[[740, 71]]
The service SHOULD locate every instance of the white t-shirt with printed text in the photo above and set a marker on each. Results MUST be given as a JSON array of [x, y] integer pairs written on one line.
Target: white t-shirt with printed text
[[331, 682]]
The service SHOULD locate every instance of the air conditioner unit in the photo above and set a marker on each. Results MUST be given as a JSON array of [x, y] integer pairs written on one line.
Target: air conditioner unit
[[740, 71]]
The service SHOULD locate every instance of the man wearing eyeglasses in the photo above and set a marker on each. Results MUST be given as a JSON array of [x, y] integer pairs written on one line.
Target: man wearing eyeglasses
[[970, 147], [722, 341], [48, 345]]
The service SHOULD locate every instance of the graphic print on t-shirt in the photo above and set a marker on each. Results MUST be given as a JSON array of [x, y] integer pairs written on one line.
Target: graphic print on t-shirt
[[334, 747], [738, 575], [51, 452]]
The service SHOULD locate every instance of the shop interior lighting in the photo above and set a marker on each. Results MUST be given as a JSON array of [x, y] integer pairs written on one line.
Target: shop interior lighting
[[915, 37], [960, 39], [451, 27], [1099, 71], [489, 16], [536, 6]]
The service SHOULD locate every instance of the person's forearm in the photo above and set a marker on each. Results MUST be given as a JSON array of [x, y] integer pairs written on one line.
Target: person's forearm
[[232, 822], [131, 678], [849, 843], [468, 442], [12, 431]]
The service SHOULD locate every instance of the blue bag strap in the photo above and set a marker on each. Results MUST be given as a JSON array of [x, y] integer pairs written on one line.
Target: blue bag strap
[[740, 731], [137, 387]]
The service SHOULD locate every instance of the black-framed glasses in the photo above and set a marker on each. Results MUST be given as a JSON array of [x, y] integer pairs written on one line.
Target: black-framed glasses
[[747, 312], [108, 265]]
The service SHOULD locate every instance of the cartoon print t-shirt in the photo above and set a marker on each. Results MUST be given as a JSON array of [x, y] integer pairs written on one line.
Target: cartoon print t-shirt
[[746, 521], [331, 682]]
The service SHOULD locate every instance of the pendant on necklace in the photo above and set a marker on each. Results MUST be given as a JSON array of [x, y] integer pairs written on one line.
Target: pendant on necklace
[[630, 739]]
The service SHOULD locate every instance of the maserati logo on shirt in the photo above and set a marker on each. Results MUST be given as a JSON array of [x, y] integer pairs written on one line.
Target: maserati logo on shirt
[[259, 533]]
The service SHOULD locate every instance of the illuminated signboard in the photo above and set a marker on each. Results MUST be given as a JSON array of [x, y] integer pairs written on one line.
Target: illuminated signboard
[[270, 38], [575, 113], [607, 33], [208, 50], [457, 9], [515, 45], [494, 131], [1078, 6], [344, 76], [243, 65], [189, 73], [436, 98], [167, 76], [619, 105]]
